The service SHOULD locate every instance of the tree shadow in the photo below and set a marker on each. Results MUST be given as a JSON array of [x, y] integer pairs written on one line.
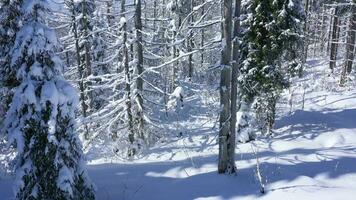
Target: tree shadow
[[159, 181], [309, 124]]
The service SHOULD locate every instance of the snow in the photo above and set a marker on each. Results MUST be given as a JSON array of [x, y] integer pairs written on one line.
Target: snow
[[311, 156], [65, 180]]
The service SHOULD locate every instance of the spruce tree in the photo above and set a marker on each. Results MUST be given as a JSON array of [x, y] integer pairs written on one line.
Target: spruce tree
[[40, 121], [290, 18], [9, 13], [272, 32]]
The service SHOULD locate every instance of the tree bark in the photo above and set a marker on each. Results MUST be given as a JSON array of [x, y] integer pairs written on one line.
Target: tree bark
[[131, 135], [225, 86], [234, 76], [139, 68], [350, 46], [190, 43], [306, 31], [334, 41], [81, 73]]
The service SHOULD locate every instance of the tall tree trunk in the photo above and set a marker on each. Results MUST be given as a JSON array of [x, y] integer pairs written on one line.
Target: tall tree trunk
[[350, 46], [81, 72], [87, 54], [234, 75], [330, 32], [139, 68], [334, 41], [174, 82], [190, 43], [131, 134], [109, 12], [202, 41], [154, 14], [306, 31], [316, 35], [322, 35], [225, 88]]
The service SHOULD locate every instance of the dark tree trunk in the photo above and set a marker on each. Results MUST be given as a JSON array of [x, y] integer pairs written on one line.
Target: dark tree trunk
[[225, 88], [350, 46], [334, 40], [139, 68]]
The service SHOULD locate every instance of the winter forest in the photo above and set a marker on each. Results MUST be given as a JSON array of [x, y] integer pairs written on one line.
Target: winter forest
[[177, 99]]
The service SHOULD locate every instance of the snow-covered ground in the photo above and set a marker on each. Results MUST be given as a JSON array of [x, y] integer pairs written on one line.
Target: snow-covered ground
[[311, 156]]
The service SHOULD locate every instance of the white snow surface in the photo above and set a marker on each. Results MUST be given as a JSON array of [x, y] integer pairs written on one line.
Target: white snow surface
[[311, 156]]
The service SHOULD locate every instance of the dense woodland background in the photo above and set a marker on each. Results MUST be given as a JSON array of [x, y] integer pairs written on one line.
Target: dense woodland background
[[149, 72]]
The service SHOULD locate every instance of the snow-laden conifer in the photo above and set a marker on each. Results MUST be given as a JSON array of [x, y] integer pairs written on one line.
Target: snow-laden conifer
[[40, 121], [9, 14]]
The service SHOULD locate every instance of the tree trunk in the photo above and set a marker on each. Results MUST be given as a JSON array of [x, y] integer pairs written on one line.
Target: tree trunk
[[154, 14], [322, 35], [334, 41], [190, 43], [350, 46], [234, 76], [87, 54], [131, 135], [110, 14], [329, 34], [81, 73], [202, 41], [306, 31], [139, 68], [225, 88]]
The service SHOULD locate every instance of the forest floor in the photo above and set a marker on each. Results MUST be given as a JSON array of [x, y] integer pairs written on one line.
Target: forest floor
[[311, 156]]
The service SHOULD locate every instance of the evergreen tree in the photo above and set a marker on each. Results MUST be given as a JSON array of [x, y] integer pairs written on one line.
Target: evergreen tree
[[290, 18], [9, 13], [40, 121], [271, 33]]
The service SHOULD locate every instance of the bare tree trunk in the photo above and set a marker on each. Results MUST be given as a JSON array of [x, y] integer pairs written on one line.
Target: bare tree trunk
[[329, 34], [109, 13], [234, 76], [350, 46], [175, 64], [334, 41], [139, 68], [202, 41], [154, 14], [322, 37], [316, 31], [131, 135], [225, 88], [190, 43], [81, 73], [306, 31], [87, 53]]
